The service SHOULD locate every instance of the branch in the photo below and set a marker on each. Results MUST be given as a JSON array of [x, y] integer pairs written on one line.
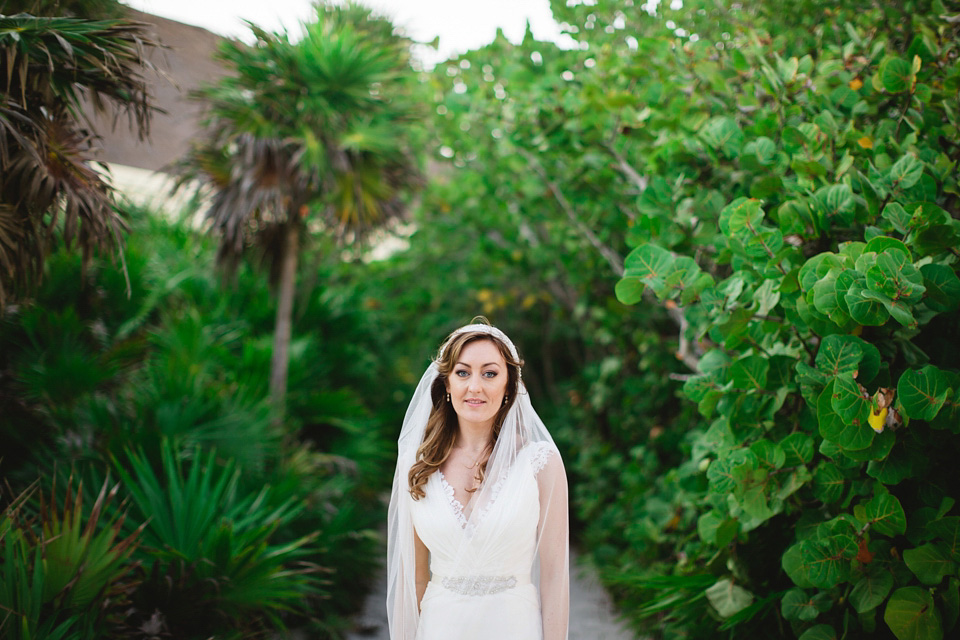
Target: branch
[[632, 174], [684, 353], [561, 293], [611, 256]]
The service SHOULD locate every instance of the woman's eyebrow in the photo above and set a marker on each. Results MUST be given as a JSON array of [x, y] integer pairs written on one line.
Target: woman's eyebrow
[[489, 364]]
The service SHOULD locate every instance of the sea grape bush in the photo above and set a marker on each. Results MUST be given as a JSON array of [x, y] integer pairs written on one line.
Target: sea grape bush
[[803, 218]]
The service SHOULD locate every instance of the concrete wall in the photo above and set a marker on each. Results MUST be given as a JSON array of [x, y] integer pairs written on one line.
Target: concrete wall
[[186, 65]]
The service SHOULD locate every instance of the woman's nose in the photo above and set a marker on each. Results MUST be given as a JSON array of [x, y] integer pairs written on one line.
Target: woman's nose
[[474, 383]]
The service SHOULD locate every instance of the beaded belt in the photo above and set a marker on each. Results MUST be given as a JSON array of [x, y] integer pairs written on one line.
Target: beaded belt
[[478, 585]]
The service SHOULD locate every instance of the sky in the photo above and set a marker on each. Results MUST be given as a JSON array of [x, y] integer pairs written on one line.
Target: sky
[[460, 24]]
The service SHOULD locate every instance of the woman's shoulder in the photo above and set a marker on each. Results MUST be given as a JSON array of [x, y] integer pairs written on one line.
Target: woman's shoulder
[[539, 453]]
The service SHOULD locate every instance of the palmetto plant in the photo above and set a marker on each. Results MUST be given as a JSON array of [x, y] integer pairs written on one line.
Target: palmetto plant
[[48, 185], [213, 562], [62, 570], [311, 136]]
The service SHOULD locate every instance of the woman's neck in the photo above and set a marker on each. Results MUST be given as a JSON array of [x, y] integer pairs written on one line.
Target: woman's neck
[[473, 437]]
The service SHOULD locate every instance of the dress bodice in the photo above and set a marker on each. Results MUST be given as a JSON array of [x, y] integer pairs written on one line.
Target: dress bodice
[[500, 538]]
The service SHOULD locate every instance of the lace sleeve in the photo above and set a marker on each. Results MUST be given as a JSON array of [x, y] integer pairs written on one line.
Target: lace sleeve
[[541, 455]]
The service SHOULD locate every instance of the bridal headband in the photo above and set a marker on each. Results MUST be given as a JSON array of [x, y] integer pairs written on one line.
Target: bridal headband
[[482, 328]]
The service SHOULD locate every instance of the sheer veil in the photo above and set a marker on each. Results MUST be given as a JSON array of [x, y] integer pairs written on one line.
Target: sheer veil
[[523, 444]]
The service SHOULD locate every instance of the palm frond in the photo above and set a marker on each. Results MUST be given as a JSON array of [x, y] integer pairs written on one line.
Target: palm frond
[[48, 185], [309, 129]]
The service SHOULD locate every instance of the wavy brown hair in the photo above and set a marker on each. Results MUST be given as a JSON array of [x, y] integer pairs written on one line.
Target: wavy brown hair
[[442, 425]]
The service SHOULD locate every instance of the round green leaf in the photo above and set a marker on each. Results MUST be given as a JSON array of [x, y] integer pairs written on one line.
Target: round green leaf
[[895, 277], [828, 483], [911, 615], [629, 290], [930, 563], [729, 471], [819, 632], [750, 373], [769, 454], [723, 133], [707, 525], [878, 449], [893, 469], [798, 605], [864, 310], [827, 299], [871, 590], [898, 310], [764, 242], [740, 214], [826, 561], [728, 598], [896, 75], [898, 217], [905, 172], [923, 214], [885, 515], [839, 354], [936, 238], [763, 148], [798, 449], [697, 387], [950, 603], [833, 427], [817, 267], [943, 287], [882, 243], [922, 393], [793, 566], [853, 408], [650, 263], [948, 530], [835, 205]]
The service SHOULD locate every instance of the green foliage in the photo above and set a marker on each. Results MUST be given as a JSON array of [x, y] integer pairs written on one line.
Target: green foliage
[[63, 574], [215, 565], [49, 189], [90, 374], [821, 262]]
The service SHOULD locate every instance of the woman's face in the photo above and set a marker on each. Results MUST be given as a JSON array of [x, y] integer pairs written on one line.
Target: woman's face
[[478, 383]]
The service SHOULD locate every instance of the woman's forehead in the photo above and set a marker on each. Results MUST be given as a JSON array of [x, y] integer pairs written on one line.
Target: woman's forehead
[[482, 351]]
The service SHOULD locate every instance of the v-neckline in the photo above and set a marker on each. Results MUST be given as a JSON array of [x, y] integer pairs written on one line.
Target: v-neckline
[[459, 509]]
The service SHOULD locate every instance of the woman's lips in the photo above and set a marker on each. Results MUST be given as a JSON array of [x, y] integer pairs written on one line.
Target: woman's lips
[[473, 402]]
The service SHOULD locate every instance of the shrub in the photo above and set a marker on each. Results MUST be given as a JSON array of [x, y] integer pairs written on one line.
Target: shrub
[[803, 219]]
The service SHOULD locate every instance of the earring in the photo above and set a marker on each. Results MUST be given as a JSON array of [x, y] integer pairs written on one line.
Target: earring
[[505, 398], [448, 397]]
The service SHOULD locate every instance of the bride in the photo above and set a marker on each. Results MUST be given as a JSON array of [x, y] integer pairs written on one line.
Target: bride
[[477, 542]]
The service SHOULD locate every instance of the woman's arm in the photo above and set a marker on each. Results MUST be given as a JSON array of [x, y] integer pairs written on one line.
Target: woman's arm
[[422, 566], [554, 550]]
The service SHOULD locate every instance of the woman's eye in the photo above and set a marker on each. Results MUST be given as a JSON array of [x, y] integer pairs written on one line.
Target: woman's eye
[[489, 374], [461, 373]]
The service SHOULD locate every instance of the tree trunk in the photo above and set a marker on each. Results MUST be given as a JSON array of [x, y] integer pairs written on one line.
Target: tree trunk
[[286, 288]]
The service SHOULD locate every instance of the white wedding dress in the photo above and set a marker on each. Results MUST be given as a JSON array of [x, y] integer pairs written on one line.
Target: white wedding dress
[[499, 564], [482, 584]]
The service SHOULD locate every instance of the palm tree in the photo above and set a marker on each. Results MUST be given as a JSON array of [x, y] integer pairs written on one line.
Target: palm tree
[[48, 186], [306, 137]]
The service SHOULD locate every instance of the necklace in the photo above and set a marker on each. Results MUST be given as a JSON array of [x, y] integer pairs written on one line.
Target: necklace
[[477, 459]]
